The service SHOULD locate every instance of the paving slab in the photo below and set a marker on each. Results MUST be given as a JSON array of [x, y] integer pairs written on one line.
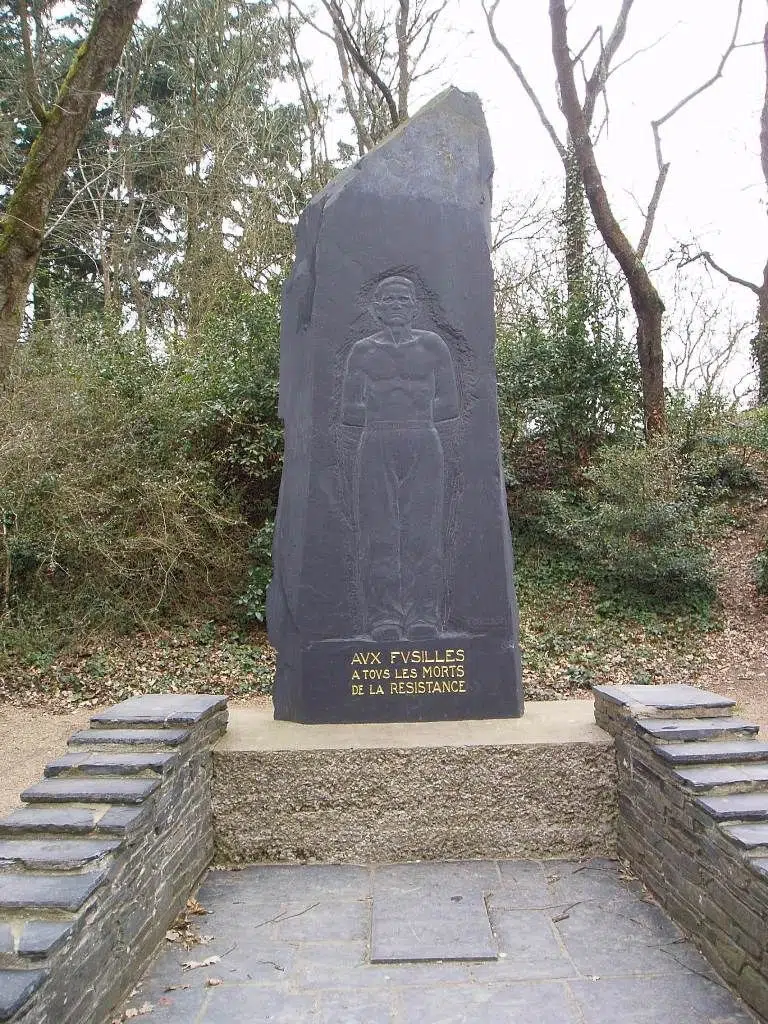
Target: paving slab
[[447, 926], [576, 944]]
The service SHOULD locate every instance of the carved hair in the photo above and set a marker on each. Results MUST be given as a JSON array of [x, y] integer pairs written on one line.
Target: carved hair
[[395, 280]]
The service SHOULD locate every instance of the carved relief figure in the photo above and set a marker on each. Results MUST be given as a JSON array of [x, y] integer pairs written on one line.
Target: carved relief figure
[[398, 383]]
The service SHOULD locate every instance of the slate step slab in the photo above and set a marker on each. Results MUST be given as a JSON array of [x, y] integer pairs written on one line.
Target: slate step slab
[[164, 710], [744, 776], [715, 752], [736, 807], [154, 738], [89, 763], [672, 697], [47, 820], [750, 836], [98, 790], [26, 891], [54, 854], [684, 730], [40, 939], [16, 987]]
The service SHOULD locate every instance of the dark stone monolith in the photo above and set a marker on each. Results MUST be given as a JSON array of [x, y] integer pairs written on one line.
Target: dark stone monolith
[[392, 597]]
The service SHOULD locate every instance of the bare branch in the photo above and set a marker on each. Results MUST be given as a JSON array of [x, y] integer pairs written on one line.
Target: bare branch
[[661, 164], [598, 78], [30, 78], [710, 81], [403, 78], [653, 206], [353, 49], [707, 257], [490, 13]]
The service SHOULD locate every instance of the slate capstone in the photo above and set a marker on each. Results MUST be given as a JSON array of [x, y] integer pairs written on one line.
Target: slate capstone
[[710, 776], [392, 597], [15, 989], [59, 854], [94, 763], [98, 790], [740, 806], [129, 737], [59, 892], [685, 729], [71, 820], [161, 709], [751, 835], [668, 696], [712, 752], [42, 938]]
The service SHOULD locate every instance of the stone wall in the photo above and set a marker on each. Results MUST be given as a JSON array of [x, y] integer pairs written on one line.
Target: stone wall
[[102, 858], [693, 820]]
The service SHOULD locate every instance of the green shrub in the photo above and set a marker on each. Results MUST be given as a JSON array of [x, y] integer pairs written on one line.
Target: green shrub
[[253, 600], [132, 478], [632, 525]]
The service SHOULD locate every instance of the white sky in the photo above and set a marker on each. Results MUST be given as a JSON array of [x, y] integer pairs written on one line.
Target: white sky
[[714, 194]]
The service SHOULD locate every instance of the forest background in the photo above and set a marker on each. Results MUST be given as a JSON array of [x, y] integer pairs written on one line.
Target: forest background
[[140, 449]]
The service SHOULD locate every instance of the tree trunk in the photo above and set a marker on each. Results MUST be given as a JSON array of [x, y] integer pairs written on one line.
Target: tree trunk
[[645, 299], [760, 341], [22, 227], [574, 217]]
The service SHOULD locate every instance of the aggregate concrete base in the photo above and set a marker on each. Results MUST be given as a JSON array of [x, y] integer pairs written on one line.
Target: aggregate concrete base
[[537, 787]]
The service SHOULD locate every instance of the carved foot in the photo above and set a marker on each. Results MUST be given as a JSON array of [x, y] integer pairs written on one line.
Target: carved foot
[[386, 631], [422, 631]]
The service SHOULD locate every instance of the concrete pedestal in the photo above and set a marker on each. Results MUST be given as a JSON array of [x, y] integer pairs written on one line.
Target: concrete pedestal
[[536, 787]]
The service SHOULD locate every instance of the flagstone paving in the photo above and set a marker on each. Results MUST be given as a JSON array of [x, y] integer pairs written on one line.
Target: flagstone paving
[[473, 942]]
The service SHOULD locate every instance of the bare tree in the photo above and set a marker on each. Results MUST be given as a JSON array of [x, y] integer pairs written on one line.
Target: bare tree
[[577, 153], [62, 125], [646, 300], [381, 54], [703, 339], [758, 289]]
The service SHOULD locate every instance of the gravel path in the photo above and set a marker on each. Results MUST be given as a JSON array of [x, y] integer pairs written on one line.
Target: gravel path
[[28, 739]]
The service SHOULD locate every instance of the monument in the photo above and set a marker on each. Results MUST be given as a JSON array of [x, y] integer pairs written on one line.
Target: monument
[[392, 597]]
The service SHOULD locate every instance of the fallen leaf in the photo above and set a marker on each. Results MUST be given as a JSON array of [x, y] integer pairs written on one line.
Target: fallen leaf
[[190, 965]]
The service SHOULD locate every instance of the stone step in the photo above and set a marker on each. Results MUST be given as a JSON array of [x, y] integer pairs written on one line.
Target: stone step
[[98, 790], [713, 752], [27, 891], [675, 700], [111, 763], [40, 819], [32, 940], [685, 730], [750, 836], [736, 806], [161, 711], [745, 777], [106, 739], [16, 987], [54, 854]]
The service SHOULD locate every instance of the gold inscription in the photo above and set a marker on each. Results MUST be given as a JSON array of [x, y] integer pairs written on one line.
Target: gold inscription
[[408, 673]]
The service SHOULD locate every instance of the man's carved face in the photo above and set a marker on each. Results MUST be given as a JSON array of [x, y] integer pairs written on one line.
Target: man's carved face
[[394, 304]]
